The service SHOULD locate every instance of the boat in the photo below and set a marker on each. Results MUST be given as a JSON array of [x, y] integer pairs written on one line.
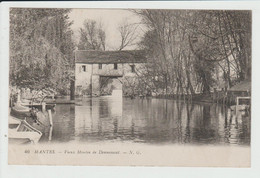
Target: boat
[[28, 112], [20, 111], [39, 105], [40, 121], [49, 100], [20, 132]]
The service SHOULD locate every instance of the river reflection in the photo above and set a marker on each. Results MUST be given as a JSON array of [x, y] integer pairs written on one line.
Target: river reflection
[[152, 121]]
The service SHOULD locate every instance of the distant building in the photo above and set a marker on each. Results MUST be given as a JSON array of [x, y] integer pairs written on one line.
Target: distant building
[[94, 67], [243, 88]]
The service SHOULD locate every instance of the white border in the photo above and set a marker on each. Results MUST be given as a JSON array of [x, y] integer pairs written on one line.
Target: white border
[[75, 171]]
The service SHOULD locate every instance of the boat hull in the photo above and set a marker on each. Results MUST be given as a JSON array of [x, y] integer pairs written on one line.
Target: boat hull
[[22, 134], [19, 113], [19, 141], [42, 124], [39, 106]]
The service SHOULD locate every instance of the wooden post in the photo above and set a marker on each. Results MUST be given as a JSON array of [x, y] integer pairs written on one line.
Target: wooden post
[[50, 117], [237, 103], [43, 106], [18, 97], [72, 90], [51, 124], [91, 81], [50, 133]]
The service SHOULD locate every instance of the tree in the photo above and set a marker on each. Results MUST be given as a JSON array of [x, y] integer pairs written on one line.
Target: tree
[[220, 42], [92, 36], [41, 48], [184, 42], [128, 34], [168, 48]]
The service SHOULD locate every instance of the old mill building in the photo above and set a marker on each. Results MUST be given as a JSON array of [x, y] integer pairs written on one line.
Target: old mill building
[[100, 72]]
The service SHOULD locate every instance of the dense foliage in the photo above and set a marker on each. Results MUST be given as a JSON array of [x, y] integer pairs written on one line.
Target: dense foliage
[[41, 48], [92, 36], [196, 50]]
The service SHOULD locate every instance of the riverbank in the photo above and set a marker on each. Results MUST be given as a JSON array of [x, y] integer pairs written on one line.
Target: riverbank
[[220, 97], [190, 98], [203, 98]]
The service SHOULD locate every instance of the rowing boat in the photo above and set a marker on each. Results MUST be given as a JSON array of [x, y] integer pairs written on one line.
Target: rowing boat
[[20, 111], [20, 132]]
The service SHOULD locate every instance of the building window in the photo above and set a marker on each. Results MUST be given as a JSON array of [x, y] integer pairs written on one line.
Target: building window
[[84, 68], [115, 66], [132, 68], [99, 66]]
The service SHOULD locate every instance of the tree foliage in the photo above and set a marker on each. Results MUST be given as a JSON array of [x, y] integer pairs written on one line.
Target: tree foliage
[[128, 34], [41, 48], [92, 36], [188, 47]]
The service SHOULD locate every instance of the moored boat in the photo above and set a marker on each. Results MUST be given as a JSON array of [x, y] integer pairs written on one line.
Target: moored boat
[[40, 121], [20, 111], [39, 105], [20, 132]]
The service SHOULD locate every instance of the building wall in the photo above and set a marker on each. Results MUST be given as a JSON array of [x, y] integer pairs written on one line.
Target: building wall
[[108, 70], [82, 78], [92, 75]]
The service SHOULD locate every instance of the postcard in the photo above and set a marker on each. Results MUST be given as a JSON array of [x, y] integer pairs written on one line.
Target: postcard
[[164, 87]]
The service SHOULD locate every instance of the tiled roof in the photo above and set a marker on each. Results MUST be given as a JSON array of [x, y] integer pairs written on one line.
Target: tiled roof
[[106, 57], [242, 86]]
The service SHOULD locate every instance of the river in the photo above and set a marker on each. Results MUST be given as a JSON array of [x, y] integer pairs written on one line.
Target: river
[[149, 121]]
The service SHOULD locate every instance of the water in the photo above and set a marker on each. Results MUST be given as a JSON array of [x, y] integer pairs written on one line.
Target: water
[[149, 121]]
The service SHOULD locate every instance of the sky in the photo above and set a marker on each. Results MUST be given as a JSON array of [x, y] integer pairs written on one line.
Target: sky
[[110, 20]]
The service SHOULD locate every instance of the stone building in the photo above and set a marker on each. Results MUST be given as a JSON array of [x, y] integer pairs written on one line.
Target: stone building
[[93, 69]]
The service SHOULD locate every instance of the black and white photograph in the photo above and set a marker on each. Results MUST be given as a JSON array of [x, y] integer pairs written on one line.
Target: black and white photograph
[[130, 87]]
